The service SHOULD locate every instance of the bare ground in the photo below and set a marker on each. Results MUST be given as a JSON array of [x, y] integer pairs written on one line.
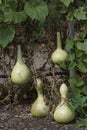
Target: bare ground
[[19, 118]]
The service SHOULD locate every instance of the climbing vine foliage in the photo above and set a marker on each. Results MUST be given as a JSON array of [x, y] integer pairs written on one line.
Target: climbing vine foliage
[[16, 11], [11, 13]]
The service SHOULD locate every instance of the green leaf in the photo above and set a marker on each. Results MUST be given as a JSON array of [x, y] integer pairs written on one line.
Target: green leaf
[[11, 15], [63, 65], [13, 4], [19, 17], [37, 11], [72, 65], [71, 57], [69, 44], [84, 90], [1, 17], [82, 46], [83, 100], [85, 59], [8, 15], [70, 16], [83, 33], [79, 53], [80, 14], [67, 2], [53, 13], [82, 122], [77, 80], [6, 35], [82, 67], [85, 44]]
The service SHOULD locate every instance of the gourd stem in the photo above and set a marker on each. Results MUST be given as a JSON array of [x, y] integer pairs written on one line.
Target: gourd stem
[[58, 41], [19, 54]]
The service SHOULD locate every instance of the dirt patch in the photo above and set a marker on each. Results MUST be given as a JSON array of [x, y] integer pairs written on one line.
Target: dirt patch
[[19, 118]]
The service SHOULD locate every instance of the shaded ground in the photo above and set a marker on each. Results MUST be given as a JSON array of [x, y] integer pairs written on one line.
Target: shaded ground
[[19, 118]]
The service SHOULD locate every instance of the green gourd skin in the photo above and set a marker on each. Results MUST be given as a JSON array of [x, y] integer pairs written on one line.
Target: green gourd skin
[[63, 91], [21, 74], [59, 54], [63, 114], [39, 107]]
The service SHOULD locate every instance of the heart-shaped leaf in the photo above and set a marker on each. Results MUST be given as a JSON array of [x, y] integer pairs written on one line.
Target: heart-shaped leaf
[[82, 46], [6, 35], [37, 11]]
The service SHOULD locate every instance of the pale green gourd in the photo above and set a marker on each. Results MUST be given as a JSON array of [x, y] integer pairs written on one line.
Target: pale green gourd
[[39, 107], [21, 74], [59, 54], [63, 114]]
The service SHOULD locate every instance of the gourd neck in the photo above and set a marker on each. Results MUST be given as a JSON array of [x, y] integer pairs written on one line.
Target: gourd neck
[[64, 100], [19, 54], [59, 46], [40, 93], [64, 96], [39, 89]]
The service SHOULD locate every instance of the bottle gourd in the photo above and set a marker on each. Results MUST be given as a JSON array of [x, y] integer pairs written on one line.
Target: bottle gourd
[[39, 107], [59, 54], [63, 114], [21, 74]]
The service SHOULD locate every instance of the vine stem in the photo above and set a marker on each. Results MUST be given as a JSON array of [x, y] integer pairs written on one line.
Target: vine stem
[[71, 35]]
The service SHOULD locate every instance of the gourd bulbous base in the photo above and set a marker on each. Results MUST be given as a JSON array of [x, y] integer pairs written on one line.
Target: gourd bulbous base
[[59, 55], [63, 114], [39, 108], [21, 74]]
